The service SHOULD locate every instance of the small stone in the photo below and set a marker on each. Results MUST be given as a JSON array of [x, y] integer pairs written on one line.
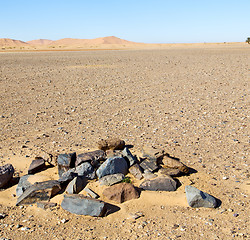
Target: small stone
[[64, 220], [93, 157], [153, 153], [170, 162], [25, 228], [197, 198], [36, 166], [65, 162], [162, 183], [76, 185], [136, 171], [46, 205], [173, 172], [149, 165], [81, 205], [225, 178], [2, 215], [109, 180], [235, 214], [23, 184], [112, 166], [128, 155], [91, 193], [113, 143], [6, 174]]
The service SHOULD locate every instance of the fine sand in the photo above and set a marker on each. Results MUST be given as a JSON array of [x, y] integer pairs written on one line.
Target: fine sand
[[190, 100]]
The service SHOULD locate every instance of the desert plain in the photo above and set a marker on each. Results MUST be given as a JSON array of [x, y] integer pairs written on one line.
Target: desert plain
[[190, 100]]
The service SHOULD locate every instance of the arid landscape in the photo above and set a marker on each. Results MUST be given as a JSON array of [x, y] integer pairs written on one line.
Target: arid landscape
[[192, 100]]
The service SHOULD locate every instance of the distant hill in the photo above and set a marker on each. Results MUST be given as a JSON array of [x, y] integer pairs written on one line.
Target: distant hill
[[7, 42], [40, 42]]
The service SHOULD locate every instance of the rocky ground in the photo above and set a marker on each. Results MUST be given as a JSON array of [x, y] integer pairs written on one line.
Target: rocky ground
[[192, 102]]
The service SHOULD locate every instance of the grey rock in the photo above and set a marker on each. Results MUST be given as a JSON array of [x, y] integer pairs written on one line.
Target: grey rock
[[159, 184], [109, 180], [197, 198], [76, 185], [67, 177], [152, 153], [91, 193], [81, 205], [127, 154], [149, 165], [148, 175], [6, 174], [93, 157], [46, 205], [23, 184], [41, 191], [136, 171], [112, 166], [65, 162], [36, 165]]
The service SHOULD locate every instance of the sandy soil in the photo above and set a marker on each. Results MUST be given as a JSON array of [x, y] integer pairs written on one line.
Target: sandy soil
[[191, 101]]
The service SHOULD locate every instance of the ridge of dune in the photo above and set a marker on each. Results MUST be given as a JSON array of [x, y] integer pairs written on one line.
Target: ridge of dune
[[8, 42], [40, 42]]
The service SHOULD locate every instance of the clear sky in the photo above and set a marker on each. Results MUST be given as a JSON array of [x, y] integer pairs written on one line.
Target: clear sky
[[150, 21]]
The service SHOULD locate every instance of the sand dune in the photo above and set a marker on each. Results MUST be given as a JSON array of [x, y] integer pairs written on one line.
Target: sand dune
[[40, 42], [7, 42]]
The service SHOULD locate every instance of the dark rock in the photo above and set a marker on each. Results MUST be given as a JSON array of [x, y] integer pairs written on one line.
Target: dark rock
[[65, 162], [149, 165], [76, 185], [128, 155], [149, 175], [109, 180], [42, 191], [67, 177], [46, 205], [6, 174], [174, 163], [173, 172], [81, 205], [121, 192], [93, 157], [136, 171], [197, 198], [112, 166], [23, 184], [113, 143], [159, 184], [36, 166]]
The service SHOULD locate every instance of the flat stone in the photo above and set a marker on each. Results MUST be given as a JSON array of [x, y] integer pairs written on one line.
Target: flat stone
[[113, 143], [81, 205], [42, 191], [121, 192], [112, 166], [128, 155], [149, 175], [173, 172], [109, 180], [76, 185], [159, 184], [23, 184], [36, 166], [174, 163], [152, 153], [136, 171], [6, 174], [93, 157], [149, 165], [46, 205], [91, 193], [197, 198], [65, 162]]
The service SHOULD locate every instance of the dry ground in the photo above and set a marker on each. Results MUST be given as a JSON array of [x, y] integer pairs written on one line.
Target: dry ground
[[193, 102]]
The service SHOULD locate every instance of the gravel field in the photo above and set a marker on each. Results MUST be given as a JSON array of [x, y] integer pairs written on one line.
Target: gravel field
[[192, 102]]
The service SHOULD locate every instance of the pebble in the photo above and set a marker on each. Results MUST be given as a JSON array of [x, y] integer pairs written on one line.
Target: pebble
[[2, 215], [225, 178], [236, 215], [25, 228]]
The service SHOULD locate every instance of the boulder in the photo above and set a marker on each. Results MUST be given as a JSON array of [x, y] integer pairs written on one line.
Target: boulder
[[149, 165], [81, 205], [173, 172], [41, 191], [65, 162], [36, 166], [113, 143], [197, 198], [6, 174], [112, 166], [170, 162], [23, 184], [93, 157], [121, 192], [76, 185], [136, 171], [159, 184], [109, 180]]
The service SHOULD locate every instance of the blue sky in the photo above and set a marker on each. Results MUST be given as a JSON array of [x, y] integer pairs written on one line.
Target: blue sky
[[150, 21]]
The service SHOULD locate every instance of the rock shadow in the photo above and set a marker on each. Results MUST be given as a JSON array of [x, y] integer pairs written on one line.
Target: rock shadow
[[110, 208]]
